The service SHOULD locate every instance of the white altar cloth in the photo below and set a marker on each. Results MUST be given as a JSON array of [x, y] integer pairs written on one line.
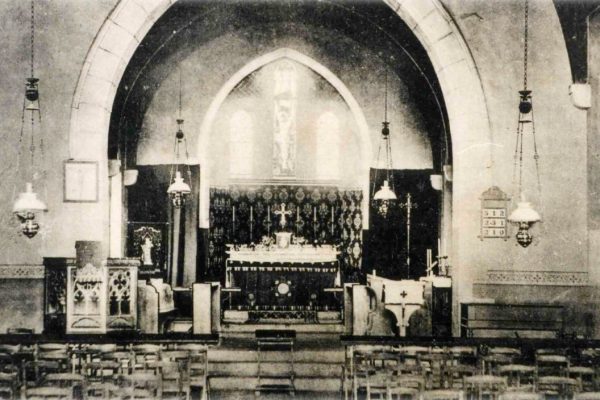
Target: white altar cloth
[[291, 254]]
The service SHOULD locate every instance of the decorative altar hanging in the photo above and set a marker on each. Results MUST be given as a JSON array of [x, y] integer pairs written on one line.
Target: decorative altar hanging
[[322, 215], [393, 248]]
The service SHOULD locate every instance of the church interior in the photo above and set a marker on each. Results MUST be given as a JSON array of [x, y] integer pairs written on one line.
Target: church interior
[[326, 199]]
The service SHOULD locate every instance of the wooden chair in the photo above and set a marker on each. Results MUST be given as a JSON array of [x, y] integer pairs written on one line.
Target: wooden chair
[[10, 348], [9, 385], [378, 383], [409, 381], [436, 370], [402, 393], [484, 386], [144, 353], [175, 355], [34, 371], [464, 355], [361, 379], [510, 395], [442, 395], [101, 371], [518, 376], [496, 357], [7, 363], [197, 373], [140, 385], [74, 382], [557, 386], [123, 358], [58, 352], [192, 347], [48, 393], [587, 396], [173, 385], [585, 376], [101, 391], [551, 365]]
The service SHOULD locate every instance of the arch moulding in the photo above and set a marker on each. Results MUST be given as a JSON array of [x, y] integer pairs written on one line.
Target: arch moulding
[[464, 98]]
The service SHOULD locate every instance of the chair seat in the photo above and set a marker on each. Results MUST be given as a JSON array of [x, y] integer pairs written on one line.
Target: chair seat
[[48, 392]]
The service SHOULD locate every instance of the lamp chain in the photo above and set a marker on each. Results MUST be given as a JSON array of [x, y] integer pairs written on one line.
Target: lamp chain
[[525, 44], [32, 35], [536, 158]]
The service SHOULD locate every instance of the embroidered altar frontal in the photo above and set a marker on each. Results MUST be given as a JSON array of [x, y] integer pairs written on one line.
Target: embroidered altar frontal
[[244, 214]]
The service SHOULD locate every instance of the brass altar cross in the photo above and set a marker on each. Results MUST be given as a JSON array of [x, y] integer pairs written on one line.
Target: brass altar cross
[[282, 213]]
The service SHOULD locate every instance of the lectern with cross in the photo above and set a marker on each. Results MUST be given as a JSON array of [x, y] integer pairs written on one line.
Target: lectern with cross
[[282, 213]]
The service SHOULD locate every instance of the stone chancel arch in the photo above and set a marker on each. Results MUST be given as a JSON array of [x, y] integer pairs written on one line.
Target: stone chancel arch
[[464, 98]]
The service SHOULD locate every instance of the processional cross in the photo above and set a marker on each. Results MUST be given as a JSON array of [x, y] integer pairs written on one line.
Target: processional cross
[[282, 213]]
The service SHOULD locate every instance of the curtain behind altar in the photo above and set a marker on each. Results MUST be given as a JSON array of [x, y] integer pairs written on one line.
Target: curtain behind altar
[[386, 245]]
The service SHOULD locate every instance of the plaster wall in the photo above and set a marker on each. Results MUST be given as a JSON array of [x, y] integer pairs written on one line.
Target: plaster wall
[[494, 33]]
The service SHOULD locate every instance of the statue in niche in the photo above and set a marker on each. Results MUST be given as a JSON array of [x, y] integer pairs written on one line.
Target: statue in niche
[[147, 245], [147, 251]]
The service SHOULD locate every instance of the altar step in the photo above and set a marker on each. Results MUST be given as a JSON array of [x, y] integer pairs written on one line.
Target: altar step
[[318, 371], [228, 329]]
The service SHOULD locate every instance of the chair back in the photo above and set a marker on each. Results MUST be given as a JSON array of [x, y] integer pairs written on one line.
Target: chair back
[[48, 393], [442, 395], [101, 391], [587, 396], [140, 385], [520, 396]]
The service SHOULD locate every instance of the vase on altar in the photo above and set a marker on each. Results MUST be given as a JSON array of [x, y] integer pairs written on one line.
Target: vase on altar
[[283, 239]]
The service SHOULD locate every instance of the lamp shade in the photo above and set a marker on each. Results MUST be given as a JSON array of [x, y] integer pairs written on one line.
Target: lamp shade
[[524, 213], [178, 185], [28, 201], [385, 193]]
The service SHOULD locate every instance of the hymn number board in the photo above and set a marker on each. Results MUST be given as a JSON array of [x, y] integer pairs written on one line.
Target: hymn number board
[[494, 209]]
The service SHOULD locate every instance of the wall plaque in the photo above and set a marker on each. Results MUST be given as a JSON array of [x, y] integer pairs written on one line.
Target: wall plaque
[[81, 181], [494, 210]]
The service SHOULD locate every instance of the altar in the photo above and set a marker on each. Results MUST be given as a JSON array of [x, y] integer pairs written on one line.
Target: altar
[[270, 282]]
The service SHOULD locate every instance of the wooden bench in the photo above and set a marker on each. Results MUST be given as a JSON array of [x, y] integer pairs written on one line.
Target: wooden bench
[[490, 319]]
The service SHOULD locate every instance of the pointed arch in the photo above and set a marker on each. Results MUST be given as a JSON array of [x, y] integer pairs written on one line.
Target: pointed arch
[[283, 53]]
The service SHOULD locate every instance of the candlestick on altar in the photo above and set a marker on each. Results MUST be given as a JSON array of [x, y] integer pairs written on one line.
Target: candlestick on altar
[[233, 222], [269, 220], [315, 224], [429, 265], [332, 220], [251, 225]]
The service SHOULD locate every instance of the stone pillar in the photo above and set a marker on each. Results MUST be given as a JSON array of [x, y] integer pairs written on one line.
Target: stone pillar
[[593, 148]]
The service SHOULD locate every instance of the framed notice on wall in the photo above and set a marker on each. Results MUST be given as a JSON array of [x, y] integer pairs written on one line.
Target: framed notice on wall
[[494, 210], [80, 181]]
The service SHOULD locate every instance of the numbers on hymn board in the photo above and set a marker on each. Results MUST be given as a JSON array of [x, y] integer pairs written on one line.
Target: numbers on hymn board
[[494, 223]]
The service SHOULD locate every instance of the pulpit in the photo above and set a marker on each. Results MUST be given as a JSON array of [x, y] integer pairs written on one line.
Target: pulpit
[[88, 294], [86, 291]]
